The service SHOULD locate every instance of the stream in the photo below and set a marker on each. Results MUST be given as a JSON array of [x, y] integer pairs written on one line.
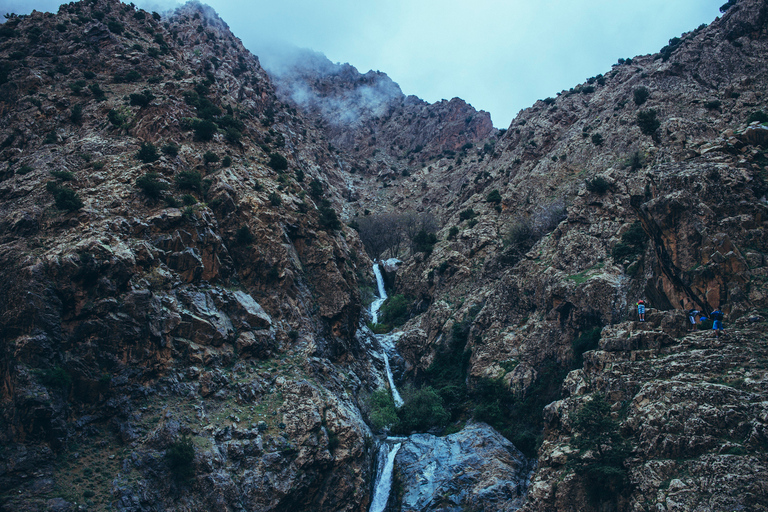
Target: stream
[[385, 462]]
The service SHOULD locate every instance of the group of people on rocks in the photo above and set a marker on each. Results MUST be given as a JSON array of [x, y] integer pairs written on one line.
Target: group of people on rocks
[[695, 317]]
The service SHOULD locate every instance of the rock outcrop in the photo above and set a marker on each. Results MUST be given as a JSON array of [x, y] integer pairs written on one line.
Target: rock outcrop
[[474, 469]]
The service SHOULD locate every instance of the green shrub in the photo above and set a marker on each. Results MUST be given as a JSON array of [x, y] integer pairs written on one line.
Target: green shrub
[[467, 214], [64, 197], [180, 458], [598, 185], [394, 311], [635, 161], [188, 200], [494, 197], [117, 117], [76, 116], [147, 153], [205, 129], [641, 94], [189, 180], [758, 116], [383, 411], [632, 243], [315, 189], [598, 433], [597, 139], [243, 236], [275, 199], [424, 241], [141, 99], [62, 175], [277, 162], [329, 220], [453, 232], [24, 169], [210, 157], [299, 175], [97, 92], [233, 135], [226, 161], [56, 377], [151, 185], [647, 121], [171, 149], [713, 104], [115, 27], [423, 409]]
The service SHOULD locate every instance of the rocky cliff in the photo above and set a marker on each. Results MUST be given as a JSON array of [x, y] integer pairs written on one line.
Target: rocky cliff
[[174, 272]]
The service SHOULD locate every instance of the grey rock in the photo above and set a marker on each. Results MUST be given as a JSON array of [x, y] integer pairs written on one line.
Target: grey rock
[[476, 469]]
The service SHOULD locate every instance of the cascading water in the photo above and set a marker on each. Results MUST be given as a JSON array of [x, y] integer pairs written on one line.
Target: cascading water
[[385, 466], [386, 341], [376, 305]]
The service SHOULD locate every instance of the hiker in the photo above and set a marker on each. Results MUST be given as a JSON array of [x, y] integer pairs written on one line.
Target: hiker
[[717, 321], [641, 310], [692, 318]]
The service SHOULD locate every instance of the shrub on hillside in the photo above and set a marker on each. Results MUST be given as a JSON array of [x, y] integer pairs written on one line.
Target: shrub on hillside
[[150, 185], [277, 162], [189, 180], [598, 185], [383, 411], [494, 197], [180, 458], [640, 95], [147, 153], [647, 121], [423, 409], [64, 197]]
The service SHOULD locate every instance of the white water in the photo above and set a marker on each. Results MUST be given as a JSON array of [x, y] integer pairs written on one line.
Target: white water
[[384, 340], [376, 305], [384, 477]]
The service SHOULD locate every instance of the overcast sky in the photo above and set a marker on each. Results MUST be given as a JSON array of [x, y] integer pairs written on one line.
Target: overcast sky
[[498, 55]]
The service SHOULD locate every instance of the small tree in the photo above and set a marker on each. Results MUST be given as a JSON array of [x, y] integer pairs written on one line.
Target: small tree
[[494, 197], [180, 458], [647, 121], [189, 180], [151, 186], [640, 95], [383, 411], [64, 197], [147, 153], [278, 162]]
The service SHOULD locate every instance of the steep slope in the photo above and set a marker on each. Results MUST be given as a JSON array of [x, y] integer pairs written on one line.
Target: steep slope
[[380, 135], [648, 182], [173, 269]]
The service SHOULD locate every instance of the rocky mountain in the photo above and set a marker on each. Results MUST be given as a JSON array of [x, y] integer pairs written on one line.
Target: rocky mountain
[[183, 298], [173, 269]]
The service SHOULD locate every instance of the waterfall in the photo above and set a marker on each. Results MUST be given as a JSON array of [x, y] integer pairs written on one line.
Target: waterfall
[[376, 305], [386, 342], [388, 345], [385, 466]]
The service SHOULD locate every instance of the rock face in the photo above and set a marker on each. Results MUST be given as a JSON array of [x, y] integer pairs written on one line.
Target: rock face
[[692, 409], [474, 469], [167, 276]]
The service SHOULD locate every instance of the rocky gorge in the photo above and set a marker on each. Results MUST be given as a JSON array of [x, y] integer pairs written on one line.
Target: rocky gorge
[[187, 248]]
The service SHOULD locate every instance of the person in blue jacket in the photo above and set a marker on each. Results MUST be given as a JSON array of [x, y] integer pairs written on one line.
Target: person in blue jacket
[[641, 310], [717, 321]]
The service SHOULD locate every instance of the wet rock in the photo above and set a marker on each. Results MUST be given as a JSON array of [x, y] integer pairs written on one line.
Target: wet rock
[[475, 469]]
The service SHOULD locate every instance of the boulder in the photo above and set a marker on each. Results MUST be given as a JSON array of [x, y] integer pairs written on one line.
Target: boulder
[[475, 469]]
